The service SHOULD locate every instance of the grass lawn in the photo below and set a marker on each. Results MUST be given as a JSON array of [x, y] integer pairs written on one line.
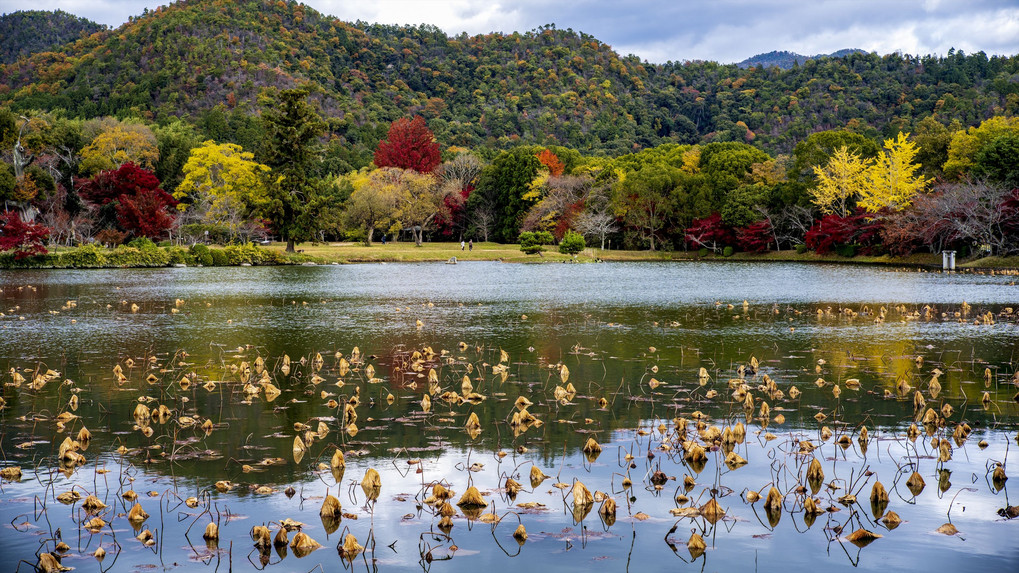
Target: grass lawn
[[430, 252], [408, 252], [341, 253]]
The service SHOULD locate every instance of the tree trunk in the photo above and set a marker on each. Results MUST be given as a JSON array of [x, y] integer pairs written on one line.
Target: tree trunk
[[371, 231], [290, 246], [418, 236]]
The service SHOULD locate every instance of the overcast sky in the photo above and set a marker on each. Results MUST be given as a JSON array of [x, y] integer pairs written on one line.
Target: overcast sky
[[661, 30]]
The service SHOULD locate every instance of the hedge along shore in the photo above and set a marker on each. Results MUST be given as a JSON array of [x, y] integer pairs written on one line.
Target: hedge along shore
[[123, 256]]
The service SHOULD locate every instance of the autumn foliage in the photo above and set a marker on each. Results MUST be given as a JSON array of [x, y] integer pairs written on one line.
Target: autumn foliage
[[709, 232], [832, 231], [409, 145], [24, 238], [551, 162], [755, 237], [142, 208]]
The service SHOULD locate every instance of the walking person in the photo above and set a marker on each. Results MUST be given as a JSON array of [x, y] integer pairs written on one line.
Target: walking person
[[470, 244], [461, 244]]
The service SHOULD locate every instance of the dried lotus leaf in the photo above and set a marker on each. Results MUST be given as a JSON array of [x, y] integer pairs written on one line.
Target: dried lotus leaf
[[695, 545], [712, 511], [92, 504], [947, 529], [734, 461], [862, 537], [537, 476], [472, 499], [915, 483], [581, 495], [211, 532], [303, 544], [511, 486], [330, 507], [137, 513], [372, 479], [351, 548], [94, 525]]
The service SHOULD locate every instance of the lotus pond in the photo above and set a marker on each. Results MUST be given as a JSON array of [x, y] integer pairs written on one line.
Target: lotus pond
[[487, 416]]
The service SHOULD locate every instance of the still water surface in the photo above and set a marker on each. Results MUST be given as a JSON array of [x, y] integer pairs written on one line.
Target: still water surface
[[633, 338]]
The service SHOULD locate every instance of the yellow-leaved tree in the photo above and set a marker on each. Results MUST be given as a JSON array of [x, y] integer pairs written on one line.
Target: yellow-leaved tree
[[844, 177], [221, 184], [120, 144], [374, 202], [966, 144], [892, 181]]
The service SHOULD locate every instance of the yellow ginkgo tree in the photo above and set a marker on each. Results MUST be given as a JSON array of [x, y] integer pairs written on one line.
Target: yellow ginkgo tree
[[893, 181], [844, 177], [221, 183]]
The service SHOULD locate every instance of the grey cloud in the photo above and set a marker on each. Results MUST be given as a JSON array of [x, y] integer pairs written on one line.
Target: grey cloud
[[660, 30]]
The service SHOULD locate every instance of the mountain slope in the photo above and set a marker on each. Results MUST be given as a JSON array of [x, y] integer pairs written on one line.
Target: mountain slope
[[32, 31], [786, 60], [208, 60]]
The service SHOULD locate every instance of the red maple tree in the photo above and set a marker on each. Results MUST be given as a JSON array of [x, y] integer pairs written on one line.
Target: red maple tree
[[142, 207], [409, 145], [832, 231], [755, 237], [710, 233], [24, 238]]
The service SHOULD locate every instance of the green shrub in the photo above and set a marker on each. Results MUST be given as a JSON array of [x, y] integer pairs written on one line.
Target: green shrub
[[178, 256], [727, 251], [801, 248], [356, 236], [572, 243], [125, 256], [9, 261], [201, 255], [702, 252], [84, 256], [250, 253], [533, 243], [846, 250], [219, 258], [141, 243]]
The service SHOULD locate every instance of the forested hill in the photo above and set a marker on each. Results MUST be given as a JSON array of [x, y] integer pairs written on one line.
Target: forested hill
[[209, 59], [786, 60], [30, 31]]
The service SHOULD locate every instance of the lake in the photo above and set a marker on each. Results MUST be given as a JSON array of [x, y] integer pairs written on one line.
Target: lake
[[221, 395]]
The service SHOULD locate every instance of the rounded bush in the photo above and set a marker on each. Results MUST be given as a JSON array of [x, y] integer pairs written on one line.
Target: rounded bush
[[201, 255], [84, 256], [572, 243], [219, 258]]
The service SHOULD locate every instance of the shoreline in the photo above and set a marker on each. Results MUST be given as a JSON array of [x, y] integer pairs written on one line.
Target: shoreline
[[355, 253]]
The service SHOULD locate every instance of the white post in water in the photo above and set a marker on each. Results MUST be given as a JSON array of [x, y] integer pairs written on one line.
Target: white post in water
[[948, 260]]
